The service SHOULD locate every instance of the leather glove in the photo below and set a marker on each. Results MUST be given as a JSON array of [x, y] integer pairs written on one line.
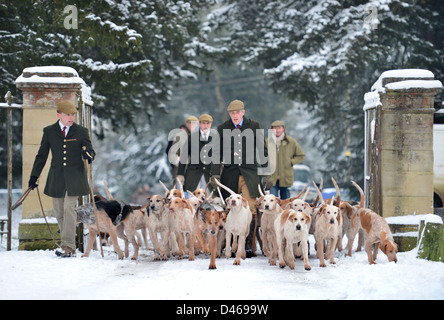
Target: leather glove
[[86, 155], [32, 182], [268, 182]]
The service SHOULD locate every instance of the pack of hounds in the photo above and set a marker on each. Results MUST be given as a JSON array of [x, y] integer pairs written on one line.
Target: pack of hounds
[[206, 224]]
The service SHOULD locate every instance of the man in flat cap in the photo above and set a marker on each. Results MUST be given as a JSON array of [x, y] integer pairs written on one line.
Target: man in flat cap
[[67, 178], [240, 160], [288, 153], [195, 166]]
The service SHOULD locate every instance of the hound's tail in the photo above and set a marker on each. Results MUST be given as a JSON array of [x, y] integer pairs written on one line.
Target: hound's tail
[[361, 204]]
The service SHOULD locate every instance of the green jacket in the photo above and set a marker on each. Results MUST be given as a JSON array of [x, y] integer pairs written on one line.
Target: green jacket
[[67, 171], [243, 158], [289, 154]]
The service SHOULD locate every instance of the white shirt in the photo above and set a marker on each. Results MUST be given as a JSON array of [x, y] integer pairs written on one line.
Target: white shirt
[[61, 128], [204, 135]]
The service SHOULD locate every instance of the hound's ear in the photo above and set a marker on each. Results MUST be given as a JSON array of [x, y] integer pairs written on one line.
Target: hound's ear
[[383, 236], [348, 209], [202, 215], [383, 247], [284, 216], [244, 203], [259, 201], [278, 200], [227, 201], [186, 204]]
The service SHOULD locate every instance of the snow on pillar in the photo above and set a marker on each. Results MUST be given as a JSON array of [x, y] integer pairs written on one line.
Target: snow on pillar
[[399, 142]]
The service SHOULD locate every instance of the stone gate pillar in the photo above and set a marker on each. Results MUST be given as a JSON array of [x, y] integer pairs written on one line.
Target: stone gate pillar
[[399, 142], [43, 88]]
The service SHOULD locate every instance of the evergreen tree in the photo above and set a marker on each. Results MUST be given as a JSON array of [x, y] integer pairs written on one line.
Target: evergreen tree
[[328, 54], [130, 52]]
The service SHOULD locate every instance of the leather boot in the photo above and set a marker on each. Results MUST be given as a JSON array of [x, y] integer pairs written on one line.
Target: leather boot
[[65, 252]]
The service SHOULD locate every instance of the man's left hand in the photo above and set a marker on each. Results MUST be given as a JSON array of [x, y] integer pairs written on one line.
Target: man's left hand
[[86, 155]]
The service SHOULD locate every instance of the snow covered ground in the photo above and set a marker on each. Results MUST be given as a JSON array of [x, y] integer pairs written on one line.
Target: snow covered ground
[[42, 275]]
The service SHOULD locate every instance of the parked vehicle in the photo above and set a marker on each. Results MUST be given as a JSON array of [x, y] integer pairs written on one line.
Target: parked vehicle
[[302, 177]]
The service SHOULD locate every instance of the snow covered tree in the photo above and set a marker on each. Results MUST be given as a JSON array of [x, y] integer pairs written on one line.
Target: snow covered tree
[[130, 52], [328, 54], [128, 161]]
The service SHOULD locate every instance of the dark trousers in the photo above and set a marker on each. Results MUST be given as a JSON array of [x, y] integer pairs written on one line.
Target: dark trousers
[[284, 191]]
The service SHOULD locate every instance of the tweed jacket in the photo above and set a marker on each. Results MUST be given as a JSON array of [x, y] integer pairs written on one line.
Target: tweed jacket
[[197, 161], [289, 154], [67, 171], [241, 157]]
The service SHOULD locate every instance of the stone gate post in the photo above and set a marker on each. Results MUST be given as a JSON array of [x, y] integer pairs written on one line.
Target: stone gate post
[[399, 142], [43, 88]]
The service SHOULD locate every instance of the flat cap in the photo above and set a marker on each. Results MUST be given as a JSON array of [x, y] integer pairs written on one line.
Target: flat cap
[[66, 107], [235, 105], [278, 123], [205, 117], [191, 118]]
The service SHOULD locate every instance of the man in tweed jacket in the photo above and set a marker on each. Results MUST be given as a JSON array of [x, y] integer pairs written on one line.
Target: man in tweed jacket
[[241, 160]]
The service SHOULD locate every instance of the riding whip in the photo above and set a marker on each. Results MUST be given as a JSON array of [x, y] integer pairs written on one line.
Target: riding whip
[[21, 199]]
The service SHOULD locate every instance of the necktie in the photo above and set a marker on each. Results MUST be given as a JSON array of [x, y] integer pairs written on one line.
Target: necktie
[[64, 131], [238, 126]]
